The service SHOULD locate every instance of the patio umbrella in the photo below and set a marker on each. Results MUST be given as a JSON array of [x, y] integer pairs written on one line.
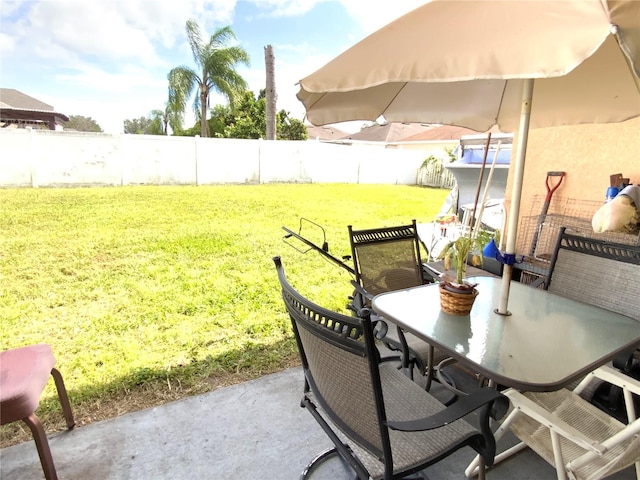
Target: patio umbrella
[[475, 64]]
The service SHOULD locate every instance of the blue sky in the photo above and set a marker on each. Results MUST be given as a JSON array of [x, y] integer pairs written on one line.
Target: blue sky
[[109, 59]]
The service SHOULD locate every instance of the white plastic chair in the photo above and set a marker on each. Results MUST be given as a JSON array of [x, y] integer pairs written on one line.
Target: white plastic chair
[[581, 441]]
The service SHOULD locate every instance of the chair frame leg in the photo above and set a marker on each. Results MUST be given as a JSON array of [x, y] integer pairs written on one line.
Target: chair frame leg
[[557, 455], [39, 434], [430, 368], [42, 444], [474, 467], [64, 398], [481, 468]]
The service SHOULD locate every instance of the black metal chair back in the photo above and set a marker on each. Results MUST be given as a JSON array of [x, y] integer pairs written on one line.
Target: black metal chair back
[[355, 391], [340, 360], [387, 258], [596, 272]]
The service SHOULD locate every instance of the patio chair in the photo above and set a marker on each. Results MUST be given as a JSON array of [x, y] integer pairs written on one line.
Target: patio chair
[[381, 423], [569, 428], [24, 373], [581, 441], [387, 259], [604, 274]]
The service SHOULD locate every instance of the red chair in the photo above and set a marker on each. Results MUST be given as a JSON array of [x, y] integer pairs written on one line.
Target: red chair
[[24, 373]]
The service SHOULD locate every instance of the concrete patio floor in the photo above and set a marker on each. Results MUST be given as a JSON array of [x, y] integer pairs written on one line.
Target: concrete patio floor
[[251, 430]]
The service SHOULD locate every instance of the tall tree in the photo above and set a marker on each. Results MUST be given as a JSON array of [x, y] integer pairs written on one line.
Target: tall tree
[[82, 124], [269, 62], [216, 63]]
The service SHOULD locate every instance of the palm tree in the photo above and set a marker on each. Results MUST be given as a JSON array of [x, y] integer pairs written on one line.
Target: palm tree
[[167, 118], [216, 71]]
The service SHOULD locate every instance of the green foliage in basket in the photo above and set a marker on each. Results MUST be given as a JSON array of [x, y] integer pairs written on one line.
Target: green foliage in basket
[[456, 253]]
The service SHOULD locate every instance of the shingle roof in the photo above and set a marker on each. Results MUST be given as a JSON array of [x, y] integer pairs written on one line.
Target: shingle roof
[[12, 98], [324, 132], [442, 132], [388, 132]]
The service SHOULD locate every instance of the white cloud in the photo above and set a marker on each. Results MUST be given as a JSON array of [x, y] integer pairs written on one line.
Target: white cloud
[[109, 59], [286, 8], [371, 17], [7, 43], [113, 29], [126, 81]]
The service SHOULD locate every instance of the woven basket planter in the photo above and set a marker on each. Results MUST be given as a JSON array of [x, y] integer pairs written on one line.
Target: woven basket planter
[[456, 303]]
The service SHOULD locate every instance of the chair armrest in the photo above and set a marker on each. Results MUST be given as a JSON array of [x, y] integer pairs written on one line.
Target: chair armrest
[[360, 289], [459, 409], [616, 377], [358, 304]]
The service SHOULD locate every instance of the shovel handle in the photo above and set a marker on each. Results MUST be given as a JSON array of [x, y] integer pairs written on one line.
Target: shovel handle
[[551, 189]]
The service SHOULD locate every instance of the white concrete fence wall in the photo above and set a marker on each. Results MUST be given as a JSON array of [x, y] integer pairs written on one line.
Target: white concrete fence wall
[[43, 158]]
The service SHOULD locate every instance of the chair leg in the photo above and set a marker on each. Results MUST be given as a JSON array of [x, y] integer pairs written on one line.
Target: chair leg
[[64, 398], [430, 368], [322, 457], [42, 444], [474, 467], [481, 468], [557, 455]]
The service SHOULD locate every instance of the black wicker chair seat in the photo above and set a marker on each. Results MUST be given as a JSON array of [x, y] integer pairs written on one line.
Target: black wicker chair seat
[[405, 401]]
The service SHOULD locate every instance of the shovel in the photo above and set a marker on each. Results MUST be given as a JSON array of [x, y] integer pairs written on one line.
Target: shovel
[[545, 207]]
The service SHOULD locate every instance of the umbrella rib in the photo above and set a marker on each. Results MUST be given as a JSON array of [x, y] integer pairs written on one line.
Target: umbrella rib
[[393, 98], [314, 103], [627, 52], [497, 113]]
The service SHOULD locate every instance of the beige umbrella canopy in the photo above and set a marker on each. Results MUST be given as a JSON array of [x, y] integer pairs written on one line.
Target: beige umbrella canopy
[[474, 64], [464, 63]]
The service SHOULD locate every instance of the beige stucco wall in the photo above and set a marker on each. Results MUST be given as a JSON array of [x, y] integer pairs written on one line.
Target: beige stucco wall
[[587, 153]]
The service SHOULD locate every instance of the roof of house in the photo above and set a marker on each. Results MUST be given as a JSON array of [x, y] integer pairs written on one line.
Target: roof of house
[[16, 106], [324, 132], [387, 132], [12, 98], [441, 132]]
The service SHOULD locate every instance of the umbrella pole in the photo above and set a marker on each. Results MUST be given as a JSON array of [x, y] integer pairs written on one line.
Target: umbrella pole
[[516, 192]]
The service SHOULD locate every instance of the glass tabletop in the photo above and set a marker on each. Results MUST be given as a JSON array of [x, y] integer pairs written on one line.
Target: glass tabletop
[[547, 342]]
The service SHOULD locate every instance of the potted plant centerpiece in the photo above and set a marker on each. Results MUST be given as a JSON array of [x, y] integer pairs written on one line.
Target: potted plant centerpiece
[[457, 294]]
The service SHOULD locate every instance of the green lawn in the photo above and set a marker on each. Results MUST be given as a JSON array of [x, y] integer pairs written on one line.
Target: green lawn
[[147, 294]]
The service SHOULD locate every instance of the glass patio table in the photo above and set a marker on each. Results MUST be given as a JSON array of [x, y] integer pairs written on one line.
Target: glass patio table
[[546, 343]]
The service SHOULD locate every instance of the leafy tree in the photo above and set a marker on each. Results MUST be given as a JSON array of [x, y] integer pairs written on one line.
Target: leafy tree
[[145, 125], [216, 65], [82, 124], [291, 128], [248, 120], [157, 123], [190, 132]]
